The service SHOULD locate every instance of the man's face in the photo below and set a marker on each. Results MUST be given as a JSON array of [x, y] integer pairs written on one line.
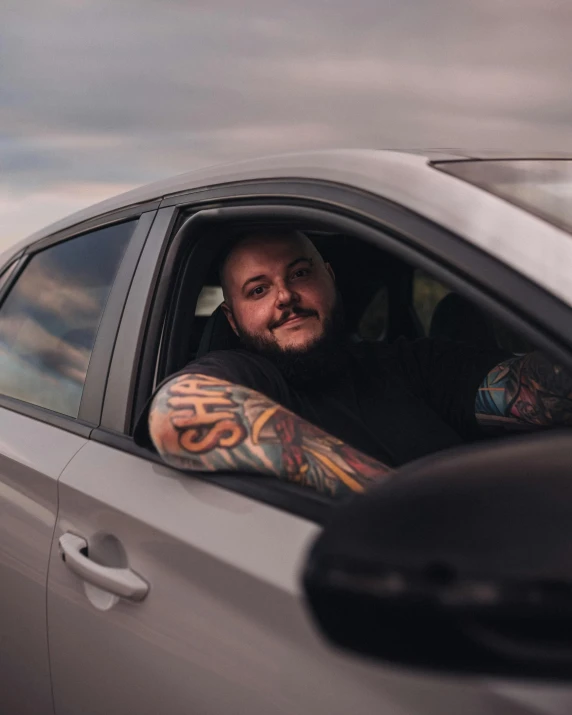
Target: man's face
[[279, 292]]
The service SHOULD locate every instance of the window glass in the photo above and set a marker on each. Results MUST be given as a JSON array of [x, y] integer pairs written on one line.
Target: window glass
[[49, 320], [427, 292], [541, 186]]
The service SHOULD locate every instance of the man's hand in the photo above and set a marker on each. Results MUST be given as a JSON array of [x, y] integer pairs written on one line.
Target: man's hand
[[205, 424], [527, 391]]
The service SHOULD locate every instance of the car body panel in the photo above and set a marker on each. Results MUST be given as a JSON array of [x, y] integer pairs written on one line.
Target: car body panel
[[369, 166], [32, 456], [224, 627]]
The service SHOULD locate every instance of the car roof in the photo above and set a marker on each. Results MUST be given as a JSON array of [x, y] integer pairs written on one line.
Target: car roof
[[329, 164], [303, 164], [529, 244]]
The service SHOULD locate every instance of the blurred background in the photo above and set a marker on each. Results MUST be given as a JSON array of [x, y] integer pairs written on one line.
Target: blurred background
[[99, 96]]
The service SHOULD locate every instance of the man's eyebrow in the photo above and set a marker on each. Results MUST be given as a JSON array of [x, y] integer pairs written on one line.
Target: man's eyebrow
[[298, 260], [252, 280]]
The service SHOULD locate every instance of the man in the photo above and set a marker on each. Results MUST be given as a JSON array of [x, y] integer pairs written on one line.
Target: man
[[301, 402]]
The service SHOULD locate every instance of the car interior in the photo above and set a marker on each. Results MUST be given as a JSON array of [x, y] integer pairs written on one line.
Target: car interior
[[384, 298]]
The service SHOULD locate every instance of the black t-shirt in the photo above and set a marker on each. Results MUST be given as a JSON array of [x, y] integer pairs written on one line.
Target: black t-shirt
[[394, 402]]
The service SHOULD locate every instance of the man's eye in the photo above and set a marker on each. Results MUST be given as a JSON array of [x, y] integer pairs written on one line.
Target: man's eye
[[301, 272], [256, 292]]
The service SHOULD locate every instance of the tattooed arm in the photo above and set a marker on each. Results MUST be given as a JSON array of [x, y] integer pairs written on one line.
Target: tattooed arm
[[526, 392], [206, 424]]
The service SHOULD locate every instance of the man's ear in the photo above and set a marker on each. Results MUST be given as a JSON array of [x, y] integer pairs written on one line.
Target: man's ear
[[229, 316], [330, 271]]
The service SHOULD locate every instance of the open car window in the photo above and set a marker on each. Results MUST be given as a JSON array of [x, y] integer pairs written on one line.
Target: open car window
[[386, 297]]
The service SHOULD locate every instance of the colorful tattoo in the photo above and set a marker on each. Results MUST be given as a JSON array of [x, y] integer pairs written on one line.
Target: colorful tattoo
[[529, 390], [206, 424]]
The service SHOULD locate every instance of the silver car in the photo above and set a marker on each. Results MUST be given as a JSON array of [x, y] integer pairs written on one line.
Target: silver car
[[128, 587]]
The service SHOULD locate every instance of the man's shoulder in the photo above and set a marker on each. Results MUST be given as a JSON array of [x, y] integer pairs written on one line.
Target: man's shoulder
[[222, 355], [236, 365], [241, 367], [231, 358]]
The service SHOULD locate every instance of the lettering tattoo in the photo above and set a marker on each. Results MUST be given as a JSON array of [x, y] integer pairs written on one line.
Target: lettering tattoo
[[206, 424], [528, 391]]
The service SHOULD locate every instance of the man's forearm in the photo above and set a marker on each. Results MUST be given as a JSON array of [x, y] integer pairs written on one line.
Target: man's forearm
[[205, 424], [530, 390]]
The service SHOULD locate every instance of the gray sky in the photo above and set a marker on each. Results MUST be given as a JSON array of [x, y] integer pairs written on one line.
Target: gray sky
[[98, 96]]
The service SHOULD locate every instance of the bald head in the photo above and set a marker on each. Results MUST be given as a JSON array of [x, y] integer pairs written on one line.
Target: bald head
[[249, 247]]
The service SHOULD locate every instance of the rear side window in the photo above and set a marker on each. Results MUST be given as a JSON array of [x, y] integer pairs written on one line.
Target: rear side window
[[49, 320]]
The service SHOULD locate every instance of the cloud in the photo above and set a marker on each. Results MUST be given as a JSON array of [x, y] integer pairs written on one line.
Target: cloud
[[103, 94], [24, 210]]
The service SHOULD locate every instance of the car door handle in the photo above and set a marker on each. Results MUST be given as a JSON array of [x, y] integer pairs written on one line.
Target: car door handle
[[119, 581]]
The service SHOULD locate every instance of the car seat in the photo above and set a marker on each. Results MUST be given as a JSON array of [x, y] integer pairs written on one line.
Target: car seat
[[217, 334], [455, 318]]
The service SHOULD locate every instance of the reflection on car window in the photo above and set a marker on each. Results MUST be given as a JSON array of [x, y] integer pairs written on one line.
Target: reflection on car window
[[542, 186], [49, 320]]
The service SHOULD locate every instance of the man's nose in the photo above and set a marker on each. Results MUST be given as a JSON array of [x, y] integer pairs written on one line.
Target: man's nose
[[285, 297]]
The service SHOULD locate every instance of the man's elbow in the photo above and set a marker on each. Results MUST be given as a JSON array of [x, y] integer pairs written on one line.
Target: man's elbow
[[163, 434]]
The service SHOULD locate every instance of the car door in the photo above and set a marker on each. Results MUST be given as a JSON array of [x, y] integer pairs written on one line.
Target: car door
[[49, 320], [182, 594]]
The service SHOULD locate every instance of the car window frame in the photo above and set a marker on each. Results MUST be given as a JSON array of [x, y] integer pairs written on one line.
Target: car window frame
[[448, 257], [96, 377], [12, 269]]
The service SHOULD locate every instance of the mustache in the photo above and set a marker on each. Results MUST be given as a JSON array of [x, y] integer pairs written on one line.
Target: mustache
[[298, 312]]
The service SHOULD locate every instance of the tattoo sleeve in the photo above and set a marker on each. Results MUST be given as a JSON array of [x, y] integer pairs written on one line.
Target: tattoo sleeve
[[528, 391], [205, 424]]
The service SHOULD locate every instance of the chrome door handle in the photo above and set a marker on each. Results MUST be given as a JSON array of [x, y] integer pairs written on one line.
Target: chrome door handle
[[119, 581]]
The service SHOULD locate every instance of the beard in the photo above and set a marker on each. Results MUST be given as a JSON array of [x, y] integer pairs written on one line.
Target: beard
[[321, 361]]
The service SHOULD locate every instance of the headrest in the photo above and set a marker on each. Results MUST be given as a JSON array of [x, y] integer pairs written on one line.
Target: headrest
[[217, 335], [456, 318]]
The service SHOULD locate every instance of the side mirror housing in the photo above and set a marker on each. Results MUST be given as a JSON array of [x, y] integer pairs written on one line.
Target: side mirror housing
[[460, 562]]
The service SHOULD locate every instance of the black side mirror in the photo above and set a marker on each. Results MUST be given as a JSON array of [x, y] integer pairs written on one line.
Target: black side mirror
[[461, 562]]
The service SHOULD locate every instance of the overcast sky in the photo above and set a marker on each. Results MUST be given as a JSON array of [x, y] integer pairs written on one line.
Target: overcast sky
[[99, 96]]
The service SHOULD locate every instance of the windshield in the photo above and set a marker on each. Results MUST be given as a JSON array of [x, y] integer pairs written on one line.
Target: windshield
[[543, 187]]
